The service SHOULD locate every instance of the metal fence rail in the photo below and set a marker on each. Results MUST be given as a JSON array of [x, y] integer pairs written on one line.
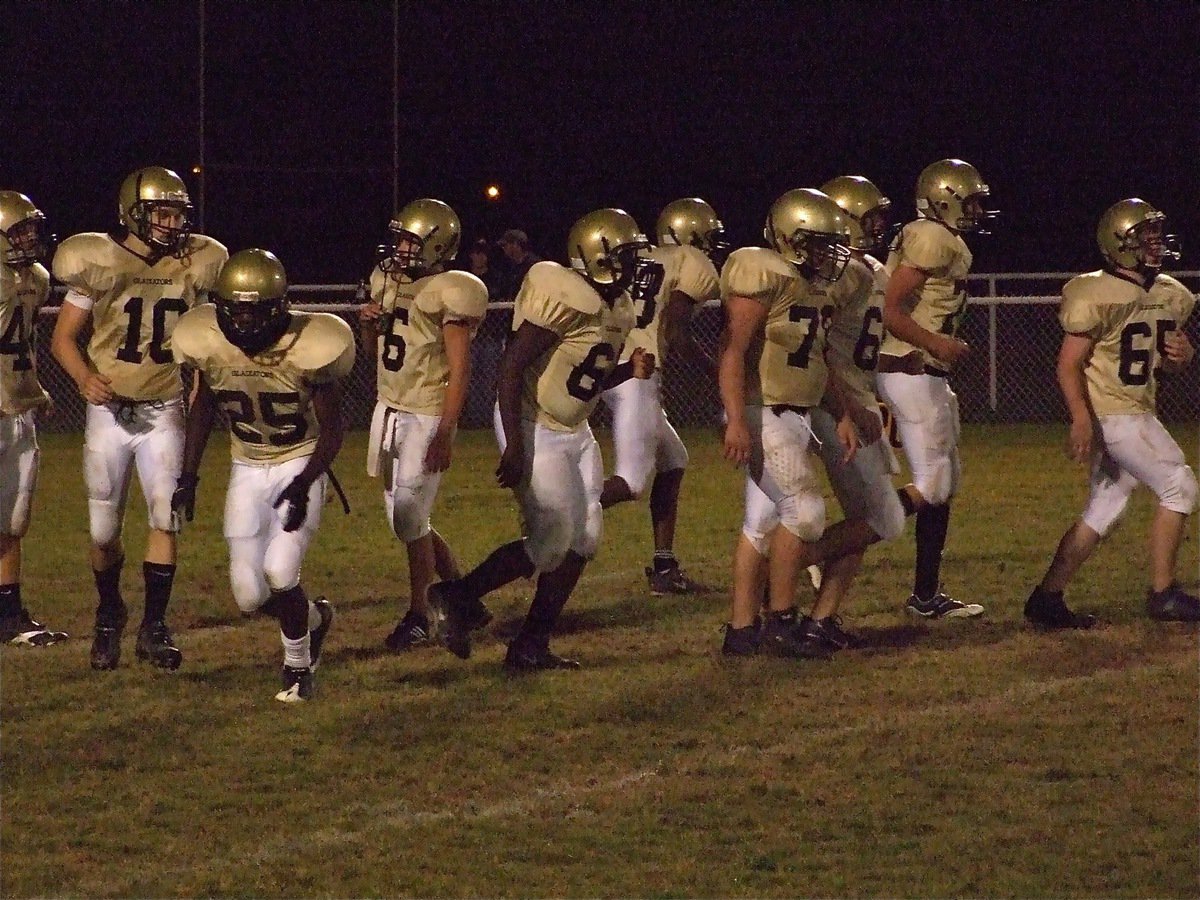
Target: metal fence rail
[[1008, 378]]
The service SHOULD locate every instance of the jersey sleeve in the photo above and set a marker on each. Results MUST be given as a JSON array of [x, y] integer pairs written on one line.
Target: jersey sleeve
[[211, 256], [189, 340], [1078, 313], [745, 274], [328, 352], [553, 300], [458, 295], [698, 276], [926, 245], [377, 284], [81, 264], [1181, 301]]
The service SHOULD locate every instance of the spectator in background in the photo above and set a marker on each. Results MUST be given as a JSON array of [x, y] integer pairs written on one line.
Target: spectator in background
[[479, 264], [519, 257]]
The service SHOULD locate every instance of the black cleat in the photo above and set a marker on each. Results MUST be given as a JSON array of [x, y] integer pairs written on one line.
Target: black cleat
[[476, 615], [741, 641], [527, 656], [827, 631], [452, 613], [20, 629], [673, 581], [941, 606], [106, 645], [413, 631], [781, 636], [1173, 605], [155, 646], [316, 637], [1047, 610], [298, 685]]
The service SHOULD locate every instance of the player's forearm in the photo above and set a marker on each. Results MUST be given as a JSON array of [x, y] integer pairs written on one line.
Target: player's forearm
[[836, 399], [200, 420], [455, 399], [508, 396], [620, 373], [329, 442], [905, 327], [731, 380], [65, 350], [1073, 385]]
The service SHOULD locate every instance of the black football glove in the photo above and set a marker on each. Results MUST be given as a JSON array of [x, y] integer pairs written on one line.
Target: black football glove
[[295, 495], [183, 501]]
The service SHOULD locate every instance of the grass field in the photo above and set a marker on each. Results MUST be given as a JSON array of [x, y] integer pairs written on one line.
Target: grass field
[[944, 759]]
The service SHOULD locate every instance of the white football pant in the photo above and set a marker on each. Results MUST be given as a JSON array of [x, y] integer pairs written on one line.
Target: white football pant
[[644, 440], [782, 467], [18, 472], [926, 412], [408, 490]]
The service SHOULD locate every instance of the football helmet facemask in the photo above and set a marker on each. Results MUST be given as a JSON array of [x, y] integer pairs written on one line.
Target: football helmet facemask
[[691, 220], [24, 237], [1132, 235], [953, 192], [422, 235], [251, 300], [602, 246], [155, 207], [811, 232], [867, 211]]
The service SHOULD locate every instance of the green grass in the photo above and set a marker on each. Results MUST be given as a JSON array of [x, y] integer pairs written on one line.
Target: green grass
[[945, 759]]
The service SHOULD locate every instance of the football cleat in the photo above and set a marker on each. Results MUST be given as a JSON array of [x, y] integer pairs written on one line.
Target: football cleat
[[673, 581], [1173, 605], [155, 645], [106, 645], [20, 629], [782, 637], [741, 641], [1048, 610], [298, 685], [451, 610], [530, 656], [413, 631], [476, 615], [827, 631], [941, 606], [316, 636]]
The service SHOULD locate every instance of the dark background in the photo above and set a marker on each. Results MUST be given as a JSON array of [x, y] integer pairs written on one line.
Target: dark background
[[1064, 107]]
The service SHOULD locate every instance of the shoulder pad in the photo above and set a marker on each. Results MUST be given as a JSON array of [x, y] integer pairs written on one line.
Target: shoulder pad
[[754, 272], [208, 253], [85, 262], [324, 346], [196, 335], [458, 293], [548, 283]]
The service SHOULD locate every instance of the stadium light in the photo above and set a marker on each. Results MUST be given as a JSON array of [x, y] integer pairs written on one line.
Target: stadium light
[[493, 192]]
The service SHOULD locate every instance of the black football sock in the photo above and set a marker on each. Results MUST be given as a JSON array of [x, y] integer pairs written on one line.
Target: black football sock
[[108, 584], [932, 523], [10, 599], [664, 561], [290, 607], [503, 565], [906, 502], [159, 577]]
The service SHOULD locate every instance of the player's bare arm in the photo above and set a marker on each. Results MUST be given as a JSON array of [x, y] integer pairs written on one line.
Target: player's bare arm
[[675, 320], [202, 412], [525, 347], [640, 365], [327, 406], [64, 345], [1179, 351], [456, 336], [906, 281], [1073, 357], [745, 319], [369, 315]]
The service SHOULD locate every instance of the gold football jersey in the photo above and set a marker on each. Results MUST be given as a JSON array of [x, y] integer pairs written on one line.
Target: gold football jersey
[[856, 328], [1129, 325], [939, 305], [413, 369], [136, 306], [791, 367], [268, 397], [563, 386], [660, 272], [23, 290]]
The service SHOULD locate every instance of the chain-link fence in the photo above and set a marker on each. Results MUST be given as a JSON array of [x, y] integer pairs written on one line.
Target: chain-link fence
[[1008, 378]]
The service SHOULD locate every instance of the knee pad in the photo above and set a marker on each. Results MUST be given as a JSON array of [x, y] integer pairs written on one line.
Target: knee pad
[[545, 555], [250, 589], [672, 454], [937, 482], [803, 515], [587, 541], [1103, 513], [280, 575], [159, 509], [759, 540], [408, 523], [104, 522], [888, 519], [1181, 492], [15, 507]]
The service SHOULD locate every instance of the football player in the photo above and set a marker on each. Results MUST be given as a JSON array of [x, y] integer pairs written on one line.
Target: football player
[[24, 287], [926, 298], [276, 375], [1123, 326], [569, 326], [670, 281], [773, 371], [427, 318], [133, 284]]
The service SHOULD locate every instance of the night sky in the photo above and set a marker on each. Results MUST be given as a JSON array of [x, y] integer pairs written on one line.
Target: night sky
[[1064, 107]]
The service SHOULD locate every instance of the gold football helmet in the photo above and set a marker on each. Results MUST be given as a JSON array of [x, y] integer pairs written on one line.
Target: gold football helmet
[[154, 206], [251, 300], [811, 232], [691, 220], [24, 237], [953, 192], [1131, 235], [866, 211], [423, 234], [603, 246]]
